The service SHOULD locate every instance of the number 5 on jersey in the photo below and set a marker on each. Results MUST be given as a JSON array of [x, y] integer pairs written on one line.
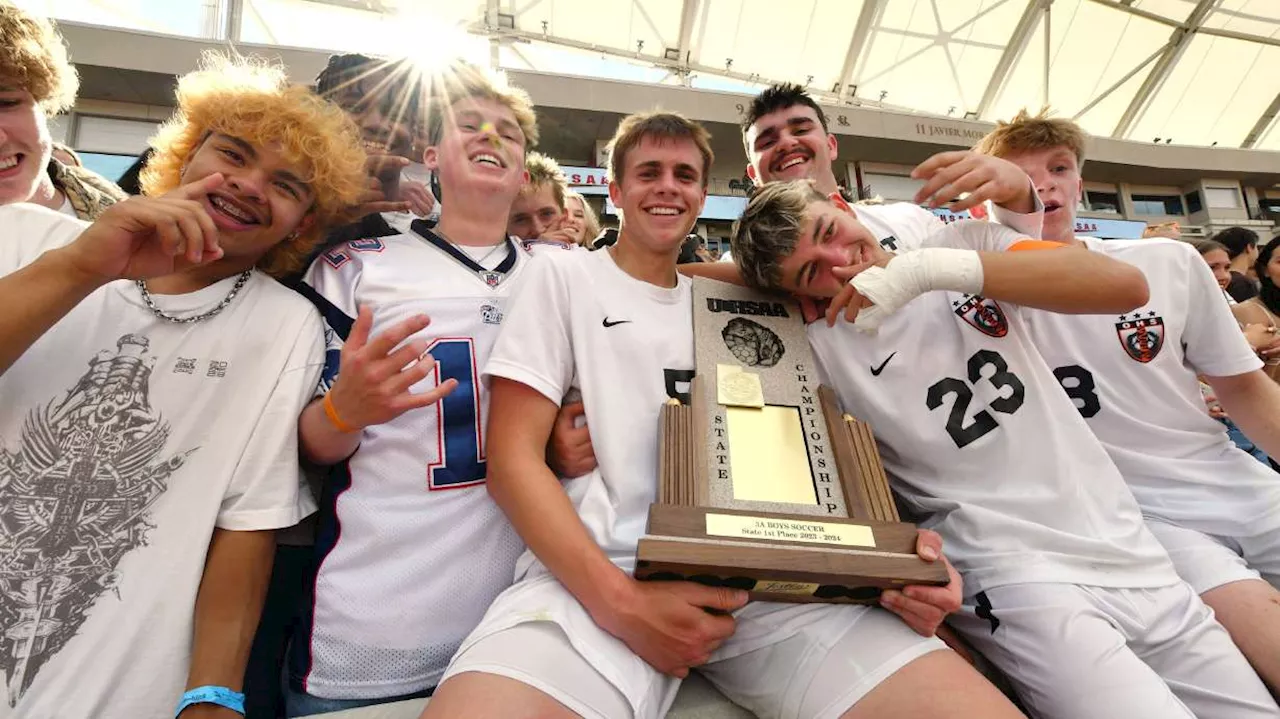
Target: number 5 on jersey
[[460, 456]]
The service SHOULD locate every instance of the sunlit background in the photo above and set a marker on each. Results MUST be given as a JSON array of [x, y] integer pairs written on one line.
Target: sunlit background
[[1174, 73]]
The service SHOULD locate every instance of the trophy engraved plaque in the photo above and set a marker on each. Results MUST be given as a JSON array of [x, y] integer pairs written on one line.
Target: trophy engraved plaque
[[765, 484]]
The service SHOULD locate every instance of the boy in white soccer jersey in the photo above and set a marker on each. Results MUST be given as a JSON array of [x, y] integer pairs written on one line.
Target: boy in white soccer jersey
[[577, 635], [148, 438], [411, 550], [1133, 374], [1066, 589]]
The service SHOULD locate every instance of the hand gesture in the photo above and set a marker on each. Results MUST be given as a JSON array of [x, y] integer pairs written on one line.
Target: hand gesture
[[419, 197], [145, 237], [569, 453], [375, 199], [563, 235], [669, 625], [1263, 339], [947, 175], [374, 378], [923, 608], [849, 300]]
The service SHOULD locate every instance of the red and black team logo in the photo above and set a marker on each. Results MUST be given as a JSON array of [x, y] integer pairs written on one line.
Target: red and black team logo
[[983, 314], [1141, 334]]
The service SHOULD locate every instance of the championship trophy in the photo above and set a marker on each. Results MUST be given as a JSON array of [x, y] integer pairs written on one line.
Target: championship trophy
[[765, 484]]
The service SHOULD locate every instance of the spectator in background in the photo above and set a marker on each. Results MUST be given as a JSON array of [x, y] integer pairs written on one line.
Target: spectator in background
[[538, 213], [1258, 315], [581, 219], [1218, 257], [37, 82], [1242, 249]]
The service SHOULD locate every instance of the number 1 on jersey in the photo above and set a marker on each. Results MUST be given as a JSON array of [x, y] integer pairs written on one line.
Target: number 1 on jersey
[[458, 431]]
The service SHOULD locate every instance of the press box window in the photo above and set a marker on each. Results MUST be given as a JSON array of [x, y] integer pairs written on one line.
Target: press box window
[[1103, 201], [1157, 205], [1194, 204], [1222, 198]]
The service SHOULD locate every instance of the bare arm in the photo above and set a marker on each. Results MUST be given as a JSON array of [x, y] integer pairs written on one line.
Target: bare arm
[[520, 422], [37, 296], [1252, 401], [662, 622], [1062, 279], [1068, 280], [722, 271], [138, 238], [227, 609]]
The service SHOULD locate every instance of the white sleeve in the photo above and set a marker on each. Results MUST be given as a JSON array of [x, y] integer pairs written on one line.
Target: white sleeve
[[1215, 345], [977, 235], [332, 284], [28, 231], [268, 490], [535, 346]]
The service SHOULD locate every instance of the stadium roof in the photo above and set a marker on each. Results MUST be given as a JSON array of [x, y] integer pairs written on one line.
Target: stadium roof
[[1189, 72]]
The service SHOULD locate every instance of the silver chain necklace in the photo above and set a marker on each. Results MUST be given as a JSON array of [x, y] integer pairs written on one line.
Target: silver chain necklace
[[151, 304]]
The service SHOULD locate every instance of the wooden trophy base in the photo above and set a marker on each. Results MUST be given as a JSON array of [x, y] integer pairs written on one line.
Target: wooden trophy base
[[777, 556], [678, 546]]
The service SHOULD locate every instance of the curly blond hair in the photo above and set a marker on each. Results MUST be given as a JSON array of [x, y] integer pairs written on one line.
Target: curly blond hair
[[34, 58], [253, 102]]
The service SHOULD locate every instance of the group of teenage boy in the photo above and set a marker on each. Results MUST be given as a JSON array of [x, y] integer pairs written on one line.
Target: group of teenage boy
[[484, 413]]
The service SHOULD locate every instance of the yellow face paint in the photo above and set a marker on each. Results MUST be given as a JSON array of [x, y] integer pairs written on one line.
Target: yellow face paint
[[487, 127]]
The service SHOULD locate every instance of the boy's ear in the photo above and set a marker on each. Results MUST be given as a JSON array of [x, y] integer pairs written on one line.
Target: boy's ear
[[838, 200], [431, 158], [615, 193], [751, 173]]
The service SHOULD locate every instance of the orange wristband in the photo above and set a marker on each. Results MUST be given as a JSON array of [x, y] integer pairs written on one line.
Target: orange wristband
[[332, 413]]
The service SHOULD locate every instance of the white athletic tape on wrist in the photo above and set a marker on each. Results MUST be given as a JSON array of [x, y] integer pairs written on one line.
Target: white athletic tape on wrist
[[912, 274]]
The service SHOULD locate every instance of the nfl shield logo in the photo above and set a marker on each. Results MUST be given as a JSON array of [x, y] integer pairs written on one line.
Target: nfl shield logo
[[1141, 336], [982, 314], [493, 279]]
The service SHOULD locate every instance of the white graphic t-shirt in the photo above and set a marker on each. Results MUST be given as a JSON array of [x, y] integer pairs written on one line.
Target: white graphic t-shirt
[[125, 440]]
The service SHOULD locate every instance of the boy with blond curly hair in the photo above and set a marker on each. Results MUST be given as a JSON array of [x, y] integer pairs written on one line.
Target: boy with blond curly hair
[[151, 395]]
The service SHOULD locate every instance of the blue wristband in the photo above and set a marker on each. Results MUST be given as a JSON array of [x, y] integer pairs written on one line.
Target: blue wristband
[[221, 696]]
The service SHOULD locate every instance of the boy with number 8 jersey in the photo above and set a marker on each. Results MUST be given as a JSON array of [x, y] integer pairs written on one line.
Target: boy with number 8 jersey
[[1133, 377], [410, 549]]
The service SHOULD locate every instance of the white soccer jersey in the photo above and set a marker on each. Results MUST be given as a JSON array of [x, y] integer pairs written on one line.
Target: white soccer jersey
[[125, 439], [1133, 377], [582, 323], [982, 446], [411, 548], [902, 226]]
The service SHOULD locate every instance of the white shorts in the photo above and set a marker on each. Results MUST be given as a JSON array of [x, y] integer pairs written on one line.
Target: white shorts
[[1073, 651], [1206, 561], [809, 661]]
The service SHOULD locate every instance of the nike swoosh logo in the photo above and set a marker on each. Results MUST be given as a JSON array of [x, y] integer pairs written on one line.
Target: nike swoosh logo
[[607, 323], [875, 371]]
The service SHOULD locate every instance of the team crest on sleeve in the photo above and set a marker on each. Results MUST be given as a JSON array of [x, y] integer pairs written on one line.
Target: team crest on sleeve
[[1141, 335], [982, 314]]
